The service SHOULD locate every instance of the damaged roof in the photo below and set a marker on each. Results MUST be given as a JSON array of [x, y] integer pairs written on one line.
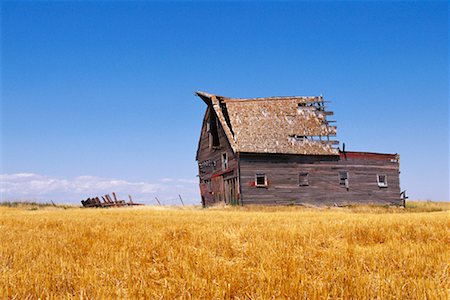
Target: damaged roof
[[285, 125]]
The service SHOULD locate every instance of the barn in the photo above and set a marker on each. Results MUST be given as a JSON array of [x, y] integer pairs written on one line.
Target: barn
[[283, 151]]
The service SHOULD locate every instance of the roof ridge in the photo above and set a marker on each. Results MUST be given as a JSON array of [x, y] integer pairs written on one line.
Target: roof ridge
[[235, 99]]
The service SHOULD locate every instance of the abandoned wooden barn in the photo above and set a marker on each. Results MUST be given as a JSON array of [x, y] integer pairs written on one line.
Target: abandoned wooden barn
[[282, 150]]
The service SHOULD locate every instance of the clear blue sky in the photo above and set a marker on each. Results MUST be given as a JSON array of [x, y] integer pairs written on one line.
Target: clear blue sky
[[98, 96]]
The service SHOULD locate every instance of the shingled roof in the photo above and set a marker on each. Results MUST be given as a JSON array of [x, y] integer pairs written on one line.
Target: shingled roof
[[286, 125]]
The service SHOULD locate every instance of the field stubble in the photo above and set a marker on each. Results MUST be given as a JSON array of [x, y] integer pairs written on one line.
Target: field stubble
[[259, 253]]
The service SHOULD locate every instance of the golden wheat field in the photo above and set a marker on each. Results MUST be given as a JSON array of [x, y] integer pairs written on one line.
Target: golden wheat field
[[225, 253]]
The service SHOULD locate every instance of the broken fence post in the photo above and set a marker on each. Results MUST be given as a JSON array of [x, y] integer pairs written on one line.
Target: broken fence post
[[181, 199], [115, 198]]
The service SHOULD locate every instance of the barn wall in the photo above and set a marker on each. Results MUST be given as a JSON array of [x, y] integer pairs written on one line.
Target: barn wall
[[282, 173], [215, 182]]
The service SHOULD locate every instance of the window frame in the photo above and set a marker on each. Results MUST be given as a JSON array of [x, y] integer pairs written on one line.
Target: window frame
[[224, 157], [303, 179], [260, 175], [382, 184], [343, 181]]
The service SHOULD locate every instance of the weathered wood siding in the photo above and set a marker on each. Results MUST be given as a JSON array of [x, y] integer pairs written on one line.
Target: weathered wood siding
[[215, 182], [324, 188]]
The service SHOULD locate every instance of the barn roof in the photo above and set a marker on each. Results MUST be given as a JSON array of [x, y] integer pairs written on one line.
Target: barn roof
[[287, 125]]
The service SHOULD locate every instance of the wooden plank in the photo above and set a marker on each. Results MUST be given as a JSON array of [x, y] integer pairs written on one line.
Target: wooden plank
[[109, 199]]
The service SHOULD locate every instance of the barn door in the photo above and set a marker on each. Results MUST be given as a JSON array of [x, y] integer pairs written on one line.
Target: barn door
[[226, 187], [231, 191], [218, 188]]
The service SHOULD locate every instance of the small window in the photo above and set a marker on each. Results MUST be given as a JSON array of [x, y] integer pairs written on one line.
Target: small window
[[224, 161], [261, 180], [343, 178], [382, 180], [303, 179]]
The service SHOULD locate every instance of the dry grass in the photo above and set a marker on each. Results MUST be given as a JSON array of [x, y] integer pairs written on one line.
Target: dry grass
[[259, 253]]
